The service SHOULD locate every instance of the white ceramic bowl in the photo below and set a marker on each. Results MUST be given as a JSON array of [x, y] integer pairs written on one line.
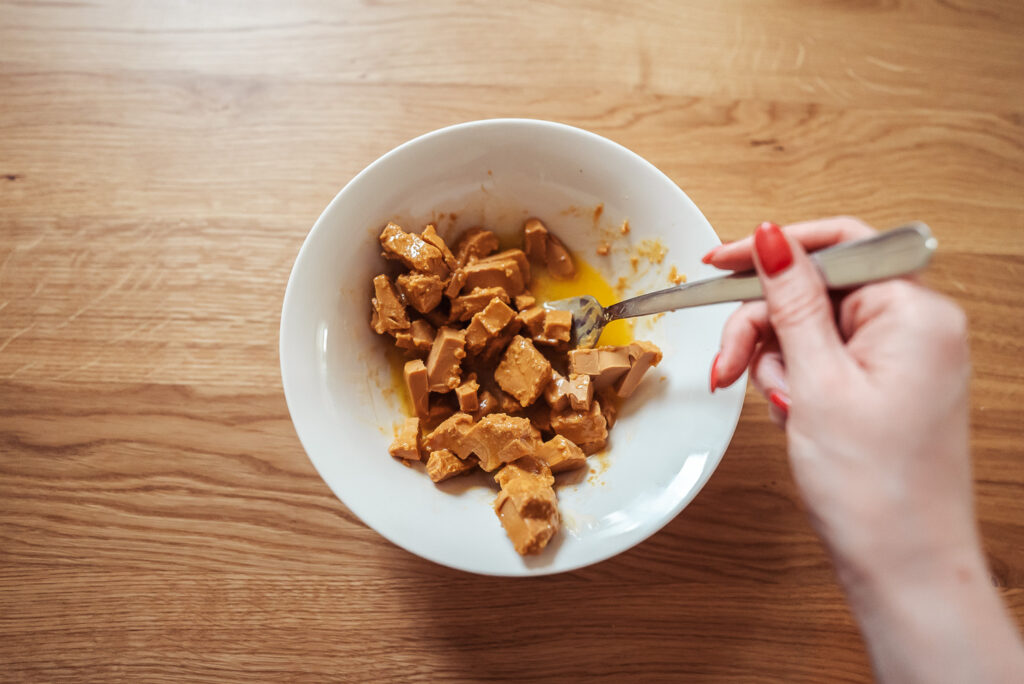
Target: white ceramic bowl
[[671, 434]]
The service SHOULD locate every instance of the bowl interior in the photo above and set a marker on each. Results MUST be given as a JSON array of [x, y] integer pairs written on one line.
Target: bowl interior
[[341, 391]]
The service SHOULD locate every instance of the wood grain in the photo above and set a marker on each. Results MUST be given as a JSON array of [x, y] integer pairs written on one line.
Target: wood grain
[[160, 165]]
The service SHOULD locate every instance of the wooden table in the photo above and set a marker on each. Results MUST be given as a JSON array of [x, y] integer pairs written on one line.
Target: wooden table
[[161, 163]]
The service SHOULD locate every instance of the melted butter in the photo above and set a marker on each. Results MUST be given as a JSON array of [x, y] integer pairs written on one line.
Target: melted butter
[[588, 281]]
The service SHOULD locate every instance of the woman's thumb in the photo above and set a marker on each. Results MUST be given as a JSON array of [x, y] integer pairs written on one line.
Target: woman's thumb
[[799, 308]]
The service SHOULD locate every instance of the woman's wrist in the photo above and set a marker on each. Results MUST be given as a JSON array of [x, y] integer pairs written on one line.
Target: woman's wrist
[[936, 620]]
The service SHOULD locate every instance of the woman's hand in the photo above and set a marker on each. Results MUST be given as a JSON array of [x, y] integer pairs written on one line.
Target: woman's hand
[[871, 388], [875, 407]]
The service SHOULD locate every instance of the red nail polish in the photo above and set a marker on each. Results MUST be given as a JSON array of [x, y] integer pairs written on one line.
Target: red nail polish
[[772, 248], [714, 373], [711, 254], [780, 400]]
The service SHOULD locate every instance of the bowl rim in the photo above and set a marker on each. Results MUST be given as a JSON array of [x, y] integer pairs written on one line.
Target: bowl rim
[[289, 296]]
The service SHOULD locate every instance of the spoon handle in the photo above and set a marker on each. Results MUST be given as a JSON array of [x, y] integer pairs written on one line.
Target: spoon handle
[[894, 253]]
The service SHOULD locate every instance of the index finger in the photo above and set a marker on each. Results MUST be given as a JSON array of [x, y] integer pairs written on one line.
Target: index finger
[[738, 256]]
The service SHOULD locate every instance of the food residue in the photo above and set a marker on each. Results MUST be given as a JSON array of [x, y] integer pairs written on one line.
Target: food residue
[[492, 380], [598, 210], [675, 277], [603, 248], [652, 250], [624, 228]]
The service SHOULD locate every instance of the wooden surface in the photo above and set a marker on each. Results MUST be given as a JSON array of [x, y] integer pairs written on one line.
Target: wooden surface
[[161, 163]]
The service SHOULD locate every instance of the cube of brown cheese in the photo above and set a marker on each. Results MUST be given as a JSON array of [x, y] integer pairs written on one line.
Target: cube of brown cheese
[[508, 270], [475, 243], [422, 291], [443, 465], [407, 442], [588, 429], [388, 311], [468, 305], [444, 364], [454, 435], [418, 338], [500, 438], [466, 393], [528, 482], [417, 385], [523, 371], [430, 235], [412, 250], [488, 324], [526, 505], [642, 356], [606, 365], [580, 391], [561, 454]]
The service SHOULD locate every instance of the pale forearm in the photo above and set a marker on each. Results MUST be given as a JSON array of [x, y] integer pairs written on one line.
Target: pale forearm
[[940, 622]]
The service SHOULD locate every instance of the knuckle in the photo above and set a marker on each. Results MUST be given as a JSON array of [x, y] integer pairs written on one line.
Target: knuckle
[[797, 305]]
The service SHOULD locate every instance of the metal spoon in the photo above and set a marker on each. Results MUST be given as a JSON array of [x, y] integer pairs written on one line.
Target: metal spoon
[[894, 253]]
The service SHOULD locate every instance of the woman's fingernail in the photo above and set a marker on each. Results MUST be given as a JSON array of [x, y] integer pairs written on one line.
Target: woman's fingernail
[[772, 248], [780, 400], [711, 254], [714, 373]]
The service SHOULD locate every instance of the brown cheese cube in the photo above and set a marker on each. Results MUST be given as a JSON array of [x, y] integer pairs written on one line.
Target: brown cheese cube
[[642, 356], [444, 363], [559, 260], [588, 429], [542, 246], [415, 374], [488, 324], [423, 292], [528, 535], [487, 404], [533, 320], [604, 364], [453, 435], [407, 442], [466, 393], [560, 454], [556, 392], [430, 235], [581, 392], [475, 243], [526, 505], [525, 301], [468, 305], [523, 371], [500, 438], [388, 311], [535, 240], [496, 271], [455, 284], [412, 251], [419, 337], [557, 326], [528, 482], [443, 465]]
